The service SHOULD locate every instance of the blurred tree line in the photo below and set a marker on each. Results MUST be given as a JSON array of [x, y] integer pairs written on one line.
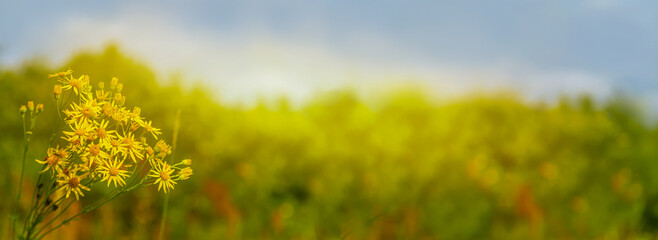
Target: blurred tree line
[[483, 167]]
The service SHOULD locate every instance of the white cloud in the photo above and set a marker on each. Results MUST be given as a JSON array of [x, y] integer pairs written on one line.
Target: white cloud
[[245, 65]]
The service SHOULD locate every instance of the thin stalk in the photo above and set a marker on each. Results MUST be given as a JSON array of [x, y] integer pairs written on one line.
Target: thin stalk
[[62, 198], [26, 139], [38, 210], [165, 206], [51, 220], [86, 210], [52, 139]]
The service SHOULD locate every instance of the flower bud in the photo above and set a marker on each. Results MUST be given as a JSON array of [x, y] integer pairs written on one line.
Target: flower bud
[[22, 110], [137, 110], [30, 106], [57, 91], [185, 173], [39, 108], [119, 87], [113, 83], [134, 127], [101, 85], [108, 110], [149, 151], [100, 96], [187, 162], [119, 99]]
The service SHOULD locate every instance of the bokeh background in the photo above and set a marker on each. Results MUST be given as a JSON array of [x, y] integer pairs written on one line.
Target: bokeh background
[[360, 119]]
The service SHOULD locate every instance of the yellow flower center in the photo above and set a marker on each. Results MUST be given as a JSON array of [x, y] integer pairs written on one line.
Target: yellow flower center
[[74, 182], [101, 132], [164, 176], [94, 149], [115, 143], [114, 171], [129, 142], [87, 111], [52, 160]]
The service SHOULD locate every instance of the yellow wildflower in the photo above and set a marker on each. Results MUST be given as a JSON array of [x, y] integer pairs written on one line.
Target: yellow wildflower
[[77, 85], [162, 148], [118, 114], [60, 74], [72, 183], [103, 135], [56, 157], [162, 173], [94, 152], [185, 173], [113, 172], [80, 132], [134, 115], [132, 148], [83, 112], [147, 126]]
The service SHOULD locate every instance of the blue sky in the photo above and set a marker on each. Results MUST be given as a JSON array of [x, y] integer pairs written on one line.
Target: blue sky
[[246, 49]]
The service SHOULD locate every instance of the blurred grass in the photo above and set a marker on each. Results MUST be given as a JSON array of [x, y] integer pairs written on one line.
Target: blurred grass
[[484, 167]]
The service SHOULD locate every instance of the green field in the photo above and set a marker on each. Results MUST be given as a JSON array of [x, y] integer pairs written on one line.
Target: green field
[[339, 167]]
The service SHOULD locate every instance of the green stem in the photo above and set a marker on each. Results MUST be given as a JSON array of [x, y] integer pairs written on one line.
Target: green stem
[[165, 207], [85, 210], [26, 139], [43, 211], [51, 220]]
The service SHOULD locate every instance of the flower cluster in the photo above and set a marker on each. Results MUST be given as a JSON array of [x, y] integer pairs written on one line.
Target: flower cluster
[[104, 141]]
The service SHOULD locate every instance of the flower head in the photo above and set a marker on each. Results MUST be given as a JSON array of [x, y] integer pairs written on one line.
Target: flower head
[[162, 173], [81, 133], [60, 74], [54, 160], [154, 131], [132, 148], [113, 173], [85, 112], [77, 84], [72, 183], [94, 152]]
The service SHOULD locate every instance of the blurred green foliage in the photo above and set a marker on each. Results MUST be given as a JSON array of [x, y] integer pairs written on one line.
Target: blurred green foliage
[[483, 167]]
